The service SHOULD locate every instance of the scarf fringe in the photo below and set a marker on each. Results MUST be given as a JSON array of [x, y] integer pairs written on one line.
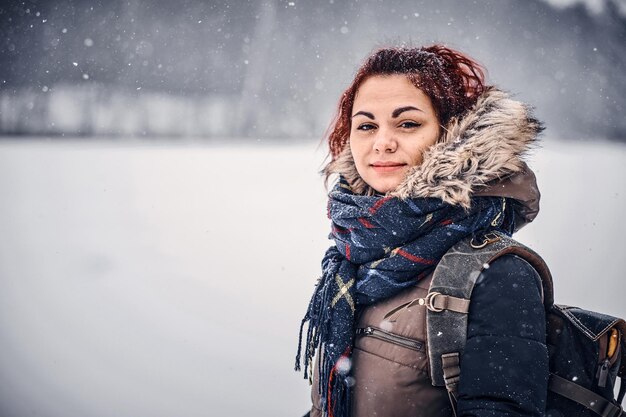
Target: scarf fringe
[[339, 392]]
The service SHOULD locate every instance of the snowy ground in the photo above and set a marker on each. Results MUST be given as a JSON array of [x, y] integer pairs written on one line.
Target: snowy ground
[[170, 279]]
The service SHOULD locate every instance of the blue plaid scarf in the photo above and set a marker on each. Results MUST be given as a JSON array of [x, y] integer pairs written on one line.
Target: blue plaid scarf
[[382, 246]]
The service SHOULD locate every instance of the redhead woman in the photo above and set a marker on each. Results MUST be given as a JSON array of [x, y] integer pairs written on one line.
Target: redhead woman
[[426, 155]]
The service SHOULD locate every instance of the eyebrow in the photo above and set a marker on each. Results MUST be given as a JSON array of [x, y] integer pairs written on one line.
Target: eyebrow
[[397, 112], [401, 110], [364, 113]]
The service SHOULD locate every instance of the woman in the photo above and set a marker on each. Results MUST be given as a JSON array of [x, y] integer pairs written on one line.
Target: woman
[[427, 155]]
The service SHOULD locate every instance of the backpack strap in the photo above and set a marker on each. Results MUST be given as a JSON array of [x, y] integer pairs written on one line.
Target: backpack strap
[[586, 398], [454, 279]]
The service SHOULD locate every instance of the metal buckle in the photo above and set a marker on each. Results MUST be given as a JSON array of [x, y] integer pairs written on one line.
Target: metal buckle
[[489, 238], [430, 301]]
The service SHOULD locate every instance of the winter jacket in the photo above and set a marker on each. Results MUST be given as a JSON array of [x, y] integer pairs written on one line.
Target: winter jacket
[[504, 367]]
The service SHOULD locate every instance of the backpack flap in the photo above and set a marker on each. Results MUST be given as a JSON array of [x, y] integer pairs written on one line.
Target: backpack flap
[[587, 354]]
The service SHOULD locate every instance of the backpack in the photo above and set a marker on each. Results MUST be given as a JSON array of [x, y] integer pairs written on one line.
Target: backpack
[[587, 350]]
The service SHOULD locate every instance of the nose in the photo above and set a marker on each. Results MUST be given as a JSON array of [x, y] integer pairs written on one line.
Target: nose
[[385, 142]]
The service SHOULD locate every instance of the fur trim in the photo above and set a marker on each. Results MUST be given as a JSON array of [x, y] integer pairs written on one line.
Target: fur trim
[[344, 165], [486, 144]]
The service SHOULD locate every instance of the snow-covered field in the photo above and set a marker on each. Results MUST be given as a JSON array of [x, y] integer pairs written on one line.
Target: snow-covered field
[[170, 279]]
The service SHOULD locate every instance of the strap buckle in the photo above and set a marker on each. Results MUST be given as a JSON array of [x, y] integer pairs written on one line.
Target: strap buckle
[[488, 239], [429, 301]]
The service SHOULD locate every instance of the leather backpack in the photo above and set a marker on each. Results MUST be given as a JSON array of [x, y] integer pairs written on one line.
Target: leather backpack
[[587, 350]]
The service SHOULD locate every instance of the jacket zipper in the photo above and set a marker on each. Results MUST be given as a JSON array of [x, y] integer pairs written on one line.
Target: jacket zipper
[[390, 337]]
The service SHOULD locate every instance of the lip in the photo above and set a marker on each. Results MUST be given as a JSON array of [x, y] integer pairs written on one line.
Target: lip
[[387, 166]]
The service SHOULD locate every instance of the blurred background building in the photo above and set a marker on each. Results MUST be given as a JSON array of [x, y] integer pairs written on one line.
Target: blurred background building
[[275, 68]]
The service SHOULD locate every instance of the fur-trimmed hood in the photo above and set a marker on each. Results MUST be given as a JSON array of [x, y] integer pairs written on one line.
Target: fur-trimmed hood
[[481, 153]]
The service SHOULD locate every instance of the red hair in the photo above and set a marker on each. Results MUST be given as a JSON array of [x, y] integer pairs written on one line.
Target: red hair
[[452, 80]]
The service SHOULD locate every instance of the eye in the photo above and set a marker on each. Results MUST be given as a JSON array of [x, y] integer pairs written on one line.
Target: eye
[[410, 125], [366, 127]]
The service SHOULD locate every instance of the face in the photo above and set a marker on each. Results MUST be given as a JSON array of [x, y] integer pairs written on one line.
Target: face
[[393, 122]]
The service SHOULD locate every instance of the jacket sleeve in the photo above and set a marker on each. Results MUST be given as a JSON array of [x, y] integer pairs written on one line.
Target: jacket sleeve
[[504, 368]]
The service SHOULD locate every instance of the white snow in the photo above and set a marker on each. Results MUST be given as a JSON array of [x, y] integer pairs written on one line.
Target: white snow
[[170, 279]]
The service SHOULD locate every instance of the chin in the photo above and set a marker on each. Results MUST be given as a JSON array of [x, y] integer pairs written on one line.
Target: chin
[[384, 187], [382, 183]]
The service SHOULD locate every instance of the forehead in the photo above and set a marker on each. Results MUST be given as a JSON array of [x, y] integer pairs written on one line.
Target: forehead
[[390, 90]]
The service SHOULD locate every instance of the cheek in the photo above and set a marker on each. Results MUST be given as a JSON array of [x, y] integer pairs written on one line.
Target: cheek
[[429, 140], [357, 151], [424, 145]]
